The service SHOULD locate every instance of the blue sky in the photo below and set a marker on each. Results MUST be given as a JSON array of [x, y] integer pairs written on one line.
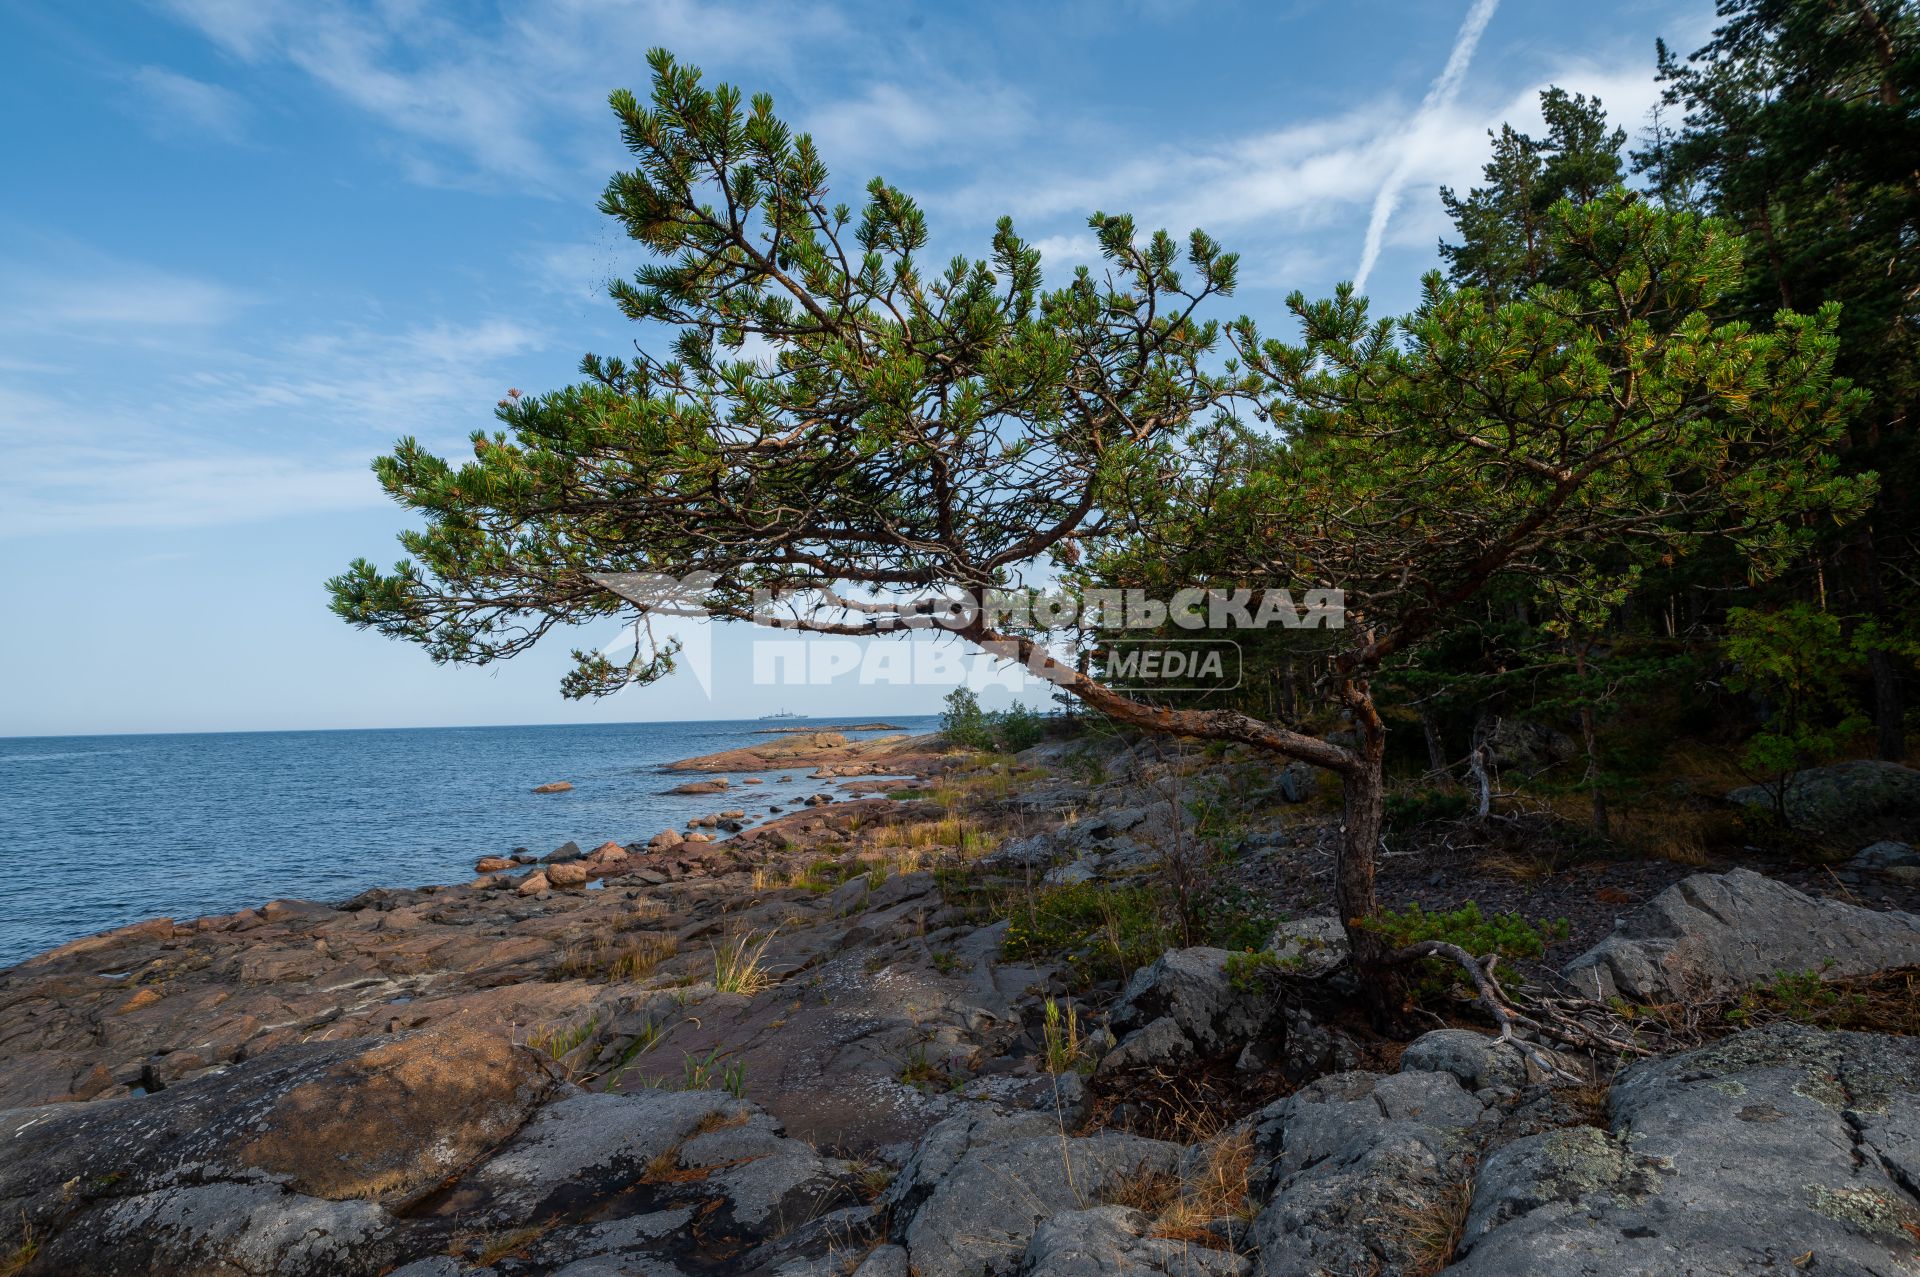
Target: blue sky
[[245, 244]]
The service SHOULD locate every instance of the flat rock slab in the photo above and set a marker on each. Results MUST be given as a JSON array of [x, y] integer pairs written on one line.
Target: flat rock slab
[[969, 1201], [1710, 934], [289, 1163], [1783, 1150]]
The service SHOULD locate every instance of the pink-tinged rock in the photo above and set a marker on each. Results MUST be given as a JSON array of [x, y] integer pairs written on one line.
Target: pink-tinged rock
[[572, 873], [533, 884], [492, 864], [607, 850], [665, 838], [553, 787]]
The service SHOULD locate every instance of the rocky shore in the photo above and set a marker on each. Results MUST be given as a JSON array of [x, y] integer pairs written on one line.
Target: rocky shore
[[926, 1031]]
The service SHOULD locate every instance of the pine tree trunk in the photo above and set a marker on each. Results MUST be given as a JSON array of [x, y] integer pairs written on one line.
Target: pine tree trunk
[[1436, 749], [1589, 737], [1381, 984]]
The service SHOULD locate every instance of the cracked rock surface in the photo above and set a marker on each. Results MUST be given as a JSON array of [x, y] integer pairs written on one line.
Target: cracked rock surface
[[1783, 1149]]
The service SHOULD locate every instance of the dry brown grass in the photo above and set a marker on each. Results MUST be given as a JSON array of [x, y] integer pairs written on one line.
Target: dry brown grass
[[24, 1251], [1217, 1193], [717, 1121], [739, 965], [1669, 832], [1144, 1188], [490, 1247], [958, 834], [1432, 1227], [1589, 1101], [614, 958]]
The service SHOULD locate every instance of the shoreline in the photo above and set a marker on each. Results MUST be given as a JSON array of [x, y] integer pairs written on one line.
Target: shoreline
[[126, 829], [834, 1028]]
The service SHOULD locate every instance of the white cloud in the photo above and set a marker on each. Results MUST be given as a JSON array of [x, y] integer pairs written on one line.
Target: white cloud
[[1064, 252], [96, 489], [174, 106], [76, 463], [133, 397], [1433, 110], [937, 121], [70, 291], [1294, 201], [502, 102], [437, 381]]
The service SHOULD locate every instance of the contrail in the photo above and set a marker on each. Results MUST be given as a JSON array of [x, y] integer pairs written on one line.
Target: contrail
[[1438, 99]]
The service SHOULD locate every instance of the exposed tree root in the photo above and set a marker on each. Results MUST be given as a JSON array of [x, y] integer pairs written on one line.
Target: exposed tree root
[[1571, 1021]]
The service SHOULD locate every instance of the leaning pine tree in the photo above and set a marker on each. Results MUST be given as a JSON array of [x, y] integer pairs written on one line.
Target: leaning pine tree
[[911, 435]]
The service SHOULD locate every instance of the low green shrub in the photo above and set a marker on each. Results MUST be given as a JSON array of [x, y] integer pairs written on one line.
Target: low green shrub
[[1508, 934]]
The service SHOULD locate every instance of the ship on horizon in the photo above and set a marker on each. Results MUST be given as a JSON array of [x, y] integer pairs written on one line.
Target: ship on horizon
[[781, 713]]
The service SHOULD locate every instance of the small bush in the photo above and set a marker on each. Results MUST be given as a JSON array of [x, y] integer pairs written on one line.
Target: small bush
[[967, 726], [1249, 970], [1507, 934]]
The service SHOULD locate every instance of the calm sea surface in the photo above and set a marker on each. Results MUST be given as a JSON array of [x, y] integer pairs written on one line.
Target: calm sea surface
[[106, 830]]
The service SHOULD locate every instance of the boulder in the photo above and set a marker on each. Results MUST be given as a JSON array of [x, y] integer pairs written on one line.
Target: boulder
[[565, 852], [1842, 795], [533, 884], [695, 787], [1894, 860], [492, 864], [1781, 1150], [968, 1200], [1349, 1159], [735, 814], [1024, 855], [570, 873], [1309, 946], [553, 787], [1528, 746], [1476, 1060], [664, 839], [1116, 1241], [1709, 934], [1191, 989]]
